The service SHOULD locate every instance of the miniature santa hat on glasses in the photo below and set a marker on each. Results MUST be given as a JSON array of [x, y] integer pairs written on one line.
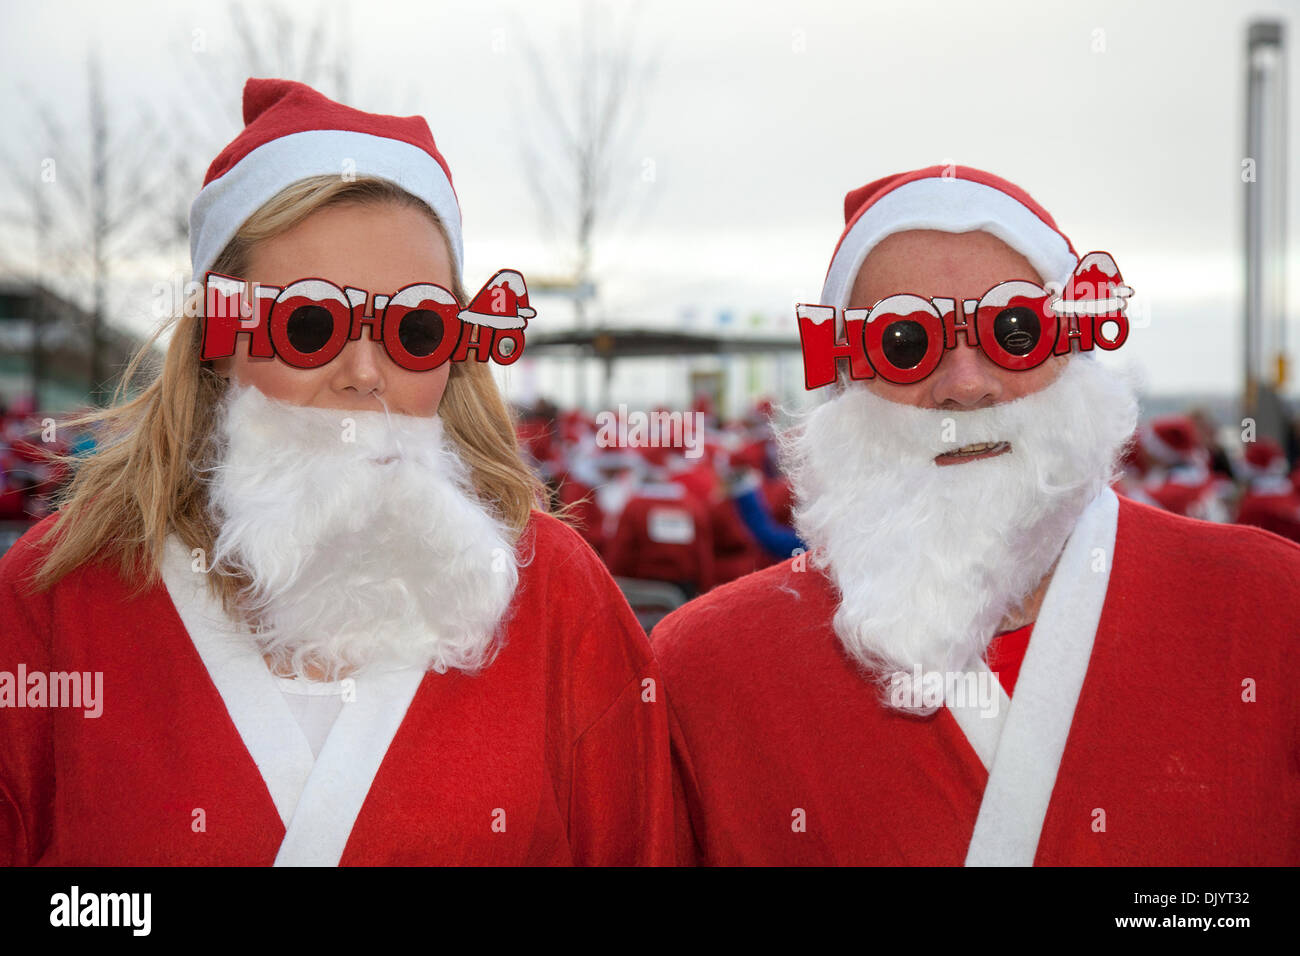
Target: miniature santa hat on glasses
[[291, 133], [945, 199]]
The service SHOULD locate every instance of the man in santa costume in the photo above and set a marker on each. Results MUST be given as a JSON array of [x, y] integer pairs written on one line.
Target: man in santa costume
[[1270, 500], [313, 616], [1181, 478], [986, 657]]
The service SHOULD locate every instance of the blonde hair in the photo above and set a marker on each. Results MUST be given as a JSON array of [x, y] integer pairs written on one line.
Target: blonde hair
[[144, 481]]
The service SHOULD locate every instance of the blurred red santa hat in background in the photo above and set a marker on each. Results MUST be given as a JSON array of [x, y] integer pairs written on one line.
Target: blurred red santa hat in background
[[1263, 457], [1171, 440]]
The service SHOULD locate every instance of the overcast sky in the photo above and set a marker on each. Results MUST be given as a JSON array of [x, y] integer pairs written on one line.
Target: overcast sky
[[1124, 119]]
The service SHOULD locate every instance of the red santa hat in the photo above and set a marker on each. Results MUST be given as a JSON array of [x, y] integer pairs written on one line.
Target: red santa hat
[[1096, 288], [574, 424], [945, 199], [502, 303], [291, 132], [1263, 457], [1171, 440]]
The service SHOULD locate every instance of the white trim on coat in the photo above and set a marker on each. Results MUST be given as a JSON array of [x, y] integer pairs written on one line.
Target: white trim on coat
[[1033, 740], [983, 730], [256, 707], [347, 767], [318, 799]]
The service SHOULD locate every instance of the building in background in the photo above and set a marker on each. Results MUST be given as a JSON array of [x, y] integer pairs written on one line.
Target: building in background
[[62, 364]]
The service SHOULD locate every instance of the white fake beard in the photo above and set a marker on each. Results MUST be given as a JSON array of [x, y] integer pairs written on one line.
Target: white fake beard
[[928, 559], [365, 543]]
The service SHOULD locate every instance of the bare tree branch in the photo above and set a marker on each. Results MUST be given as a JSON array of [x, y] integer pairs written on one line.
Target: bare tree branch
[[583, 129]]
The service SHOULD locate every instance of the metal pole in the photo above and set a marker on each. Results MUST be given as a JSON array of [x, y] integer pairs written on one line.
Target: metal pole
[[1264, 179]]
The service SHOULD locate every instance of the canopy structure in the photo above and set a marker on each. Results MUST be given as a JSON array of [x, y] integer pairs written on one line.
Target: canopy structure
[[609, 343]]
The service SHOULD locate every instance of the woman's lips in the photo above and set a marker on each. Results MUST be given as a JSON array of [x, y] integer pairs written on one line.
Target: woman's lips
[[973, 452]]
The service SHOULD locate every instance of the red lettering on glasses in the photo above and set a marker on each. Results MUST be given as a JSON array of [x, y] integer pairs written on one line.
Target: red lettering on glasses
[[1018, 324], [308, 322]]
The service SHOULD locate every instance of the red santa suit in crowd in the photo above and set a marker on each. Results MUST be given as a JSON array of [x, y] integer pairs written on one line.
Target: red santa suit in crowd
[[1181, 480], [1271, 501], [663, 534], [1144, 717]]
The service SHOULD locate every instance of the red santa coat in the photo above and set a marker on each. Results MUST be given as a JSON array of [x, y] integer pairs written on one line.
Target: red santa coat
[[1274, 508], [784, 754], [557, 753], [663, 534]]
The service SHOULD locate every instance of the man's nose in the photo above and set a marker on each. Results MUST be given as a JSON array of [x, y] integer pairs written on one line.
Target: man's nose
[[965, 378]]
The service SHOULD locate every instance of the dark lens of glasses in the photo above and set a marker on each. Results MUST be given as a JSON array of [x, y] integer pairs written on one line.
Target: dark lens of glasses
[[1017, 330], [421, 332], [309, 328], [904, 343]]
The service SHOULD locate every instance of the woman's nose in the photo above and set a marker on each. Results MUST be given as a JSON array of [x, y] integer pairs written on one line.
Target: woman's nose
[[359, 367]]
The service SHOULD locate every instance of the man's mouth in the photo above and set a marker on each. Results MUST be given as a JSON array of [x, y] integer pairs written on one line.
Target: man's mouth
[[973, 452]]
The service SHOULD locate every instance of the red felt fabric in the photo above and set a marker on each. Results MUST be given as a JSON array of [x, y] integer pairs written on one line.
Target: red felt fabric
[[780, 499], [275, 108], [1178, 497], [632, 553], [1005, 654], [586, 517], [772, 723], [559, 731], [735, 552], [1279, 514]]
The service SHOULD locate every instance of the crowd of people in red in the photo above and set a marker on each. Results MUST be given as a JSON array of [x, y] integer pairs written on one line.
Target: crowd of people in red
[[1178, 464], [655, 513], [30, 472], [670, 514], [696, 517]]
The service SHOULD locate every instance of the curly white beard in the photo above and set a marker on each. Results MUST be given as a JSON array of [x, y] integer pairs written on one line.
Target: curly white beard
[[928, 559], [366, 544]]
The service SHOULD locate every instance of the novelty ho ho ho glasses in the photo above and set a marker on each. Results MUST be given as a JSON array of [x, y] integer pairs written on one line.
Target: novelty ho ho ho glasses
[[307, 323], [1018, 324]]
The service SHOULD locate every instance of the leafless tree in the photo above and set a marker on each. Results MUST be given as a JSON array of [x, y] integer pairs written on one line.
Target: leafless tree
[[588, 91], [267, 42], [120, 181], [86, 197]]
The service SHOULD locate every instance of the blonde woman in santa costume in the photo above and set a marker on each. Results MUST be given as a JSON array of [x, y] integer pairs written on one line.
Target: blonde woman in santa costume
[[326, 619]]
